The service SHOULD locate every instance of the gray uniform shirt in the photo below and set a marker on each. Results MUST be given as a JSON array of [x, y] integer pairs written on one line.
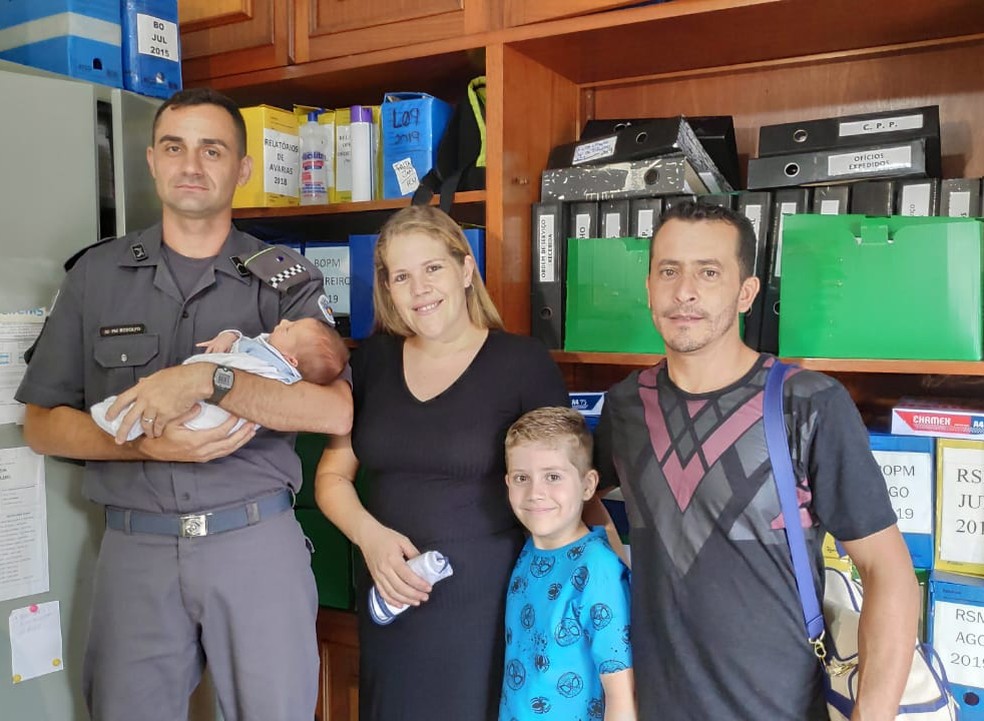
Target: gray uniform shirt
[[119, 317]]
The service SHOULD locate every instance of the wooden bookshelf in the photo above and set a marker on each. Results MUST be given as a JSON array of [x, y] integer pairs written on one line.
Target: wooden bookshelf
[[827, 365], [760, 61]]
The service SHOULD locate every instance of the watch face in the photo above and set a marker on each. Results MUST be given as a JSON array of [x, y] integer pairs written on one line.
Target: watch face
[[222, 378]]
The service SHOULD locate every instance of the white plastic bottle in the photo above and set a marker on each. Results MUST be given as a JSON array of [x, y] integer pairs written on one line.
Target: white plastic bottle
[[362, 157], [432, 566], [314, 162]]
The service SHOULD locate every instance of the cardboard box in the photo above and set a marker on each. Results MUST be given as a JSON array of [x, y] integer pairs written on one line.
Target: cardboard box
[[908, 465], [956, 632], [80, 38], [960, 504], [902, 288], [361, 249], [476, 241], [834, 555], [412, 127], [958, 418], [376, 140], [272, 142], [607, 306], [589, 405], [151, 47], [332, 259], [342, 190]]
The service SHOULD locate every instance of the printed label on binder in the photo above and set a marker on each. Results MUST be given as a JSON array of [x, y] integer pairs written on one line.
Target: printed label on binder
[[582, 226], [915, 199], [870, 161], [881, 125], [613, 225], [604, 148], [957, 640], [784, 210], [960, 204], [909, 478], [157, 38], [754, 215], [281, 159], [548, 247]]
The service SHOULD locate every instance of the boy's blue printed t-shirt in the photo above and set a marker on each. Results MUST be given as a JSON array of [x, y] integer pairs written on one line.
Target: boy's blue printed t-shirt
[[567, 623]]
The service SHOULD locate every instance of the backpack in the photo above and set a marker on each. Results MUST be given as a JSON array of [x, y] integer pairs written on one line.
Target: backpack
[[460, 161]]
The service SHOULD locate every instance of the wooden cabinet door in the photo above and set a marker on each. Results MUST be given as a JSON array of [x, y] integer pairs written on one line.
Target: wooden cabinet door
[[523, 12], [335, 28], [338, 646], [224, 37]]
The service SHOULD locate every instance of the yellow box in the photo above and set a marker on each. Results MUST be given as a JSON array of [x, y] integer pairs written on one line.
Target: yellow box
[[342, 190], [377, 151], [830, 550], [832, 557], [960, 506], [272, 142]]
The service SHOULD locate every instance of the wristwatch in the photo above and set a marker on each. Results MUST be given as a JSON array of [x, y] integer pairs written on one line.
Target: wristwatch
[[222, 379]]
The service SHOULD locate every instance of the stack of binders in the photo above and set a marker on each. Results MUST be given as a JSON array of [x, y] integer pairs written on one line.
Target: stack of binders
[[894, 144], [873, 164], [615, 183]]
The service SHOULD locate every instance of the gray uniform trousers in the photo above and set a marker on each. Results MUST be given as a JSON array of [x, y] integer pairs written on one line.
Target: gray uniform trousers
[[243, 600]]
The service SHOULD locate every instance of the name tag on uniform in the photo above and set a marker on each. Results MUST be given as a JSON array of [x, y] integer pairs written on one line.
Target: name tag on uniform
[[115, 330]]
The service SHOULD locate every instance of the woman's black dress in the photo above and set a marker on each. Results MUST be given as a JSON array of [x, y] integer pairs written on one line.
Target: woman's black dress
[[435, 472]]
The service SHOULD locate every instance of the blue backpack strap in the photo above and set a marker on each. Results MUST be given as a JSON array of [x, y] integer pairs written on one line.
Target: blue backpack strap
[[782, 470]]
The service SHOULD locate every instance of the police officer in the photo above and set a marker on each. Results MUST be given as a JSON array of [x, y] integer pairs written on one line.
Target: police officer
[[201, 557]]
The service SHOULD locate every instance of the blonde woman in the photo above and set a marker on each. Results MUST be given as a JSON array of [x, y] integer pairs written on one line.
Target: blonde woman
[[435, 391]]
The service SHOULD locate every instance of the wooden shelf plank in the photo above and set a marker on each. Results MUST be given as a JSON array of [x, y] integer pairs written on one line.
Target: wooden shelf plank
[[471, 197], [830, 365], [898, 367], [439, 68], [677, 37], [615, 359]]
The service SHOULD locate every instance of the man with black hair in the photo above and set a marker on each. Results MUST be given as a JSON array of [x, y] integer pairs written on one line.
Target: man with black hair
[[717, 628], [201, 558]]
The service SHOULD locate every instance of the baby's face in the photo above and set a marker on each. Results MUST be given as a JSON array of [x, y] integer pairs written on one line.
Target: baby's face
[[290, 335]]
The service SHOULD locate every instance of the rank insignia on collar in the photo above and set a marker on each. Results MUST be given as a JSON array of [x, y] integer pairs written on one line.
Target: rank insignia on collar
[[240, 266], [138, 251]]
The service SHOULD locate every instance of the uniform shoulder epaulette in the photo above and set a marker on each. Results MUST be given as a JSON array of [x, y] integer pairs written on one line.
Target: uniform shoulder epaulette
[[70, 263], [278, 266]]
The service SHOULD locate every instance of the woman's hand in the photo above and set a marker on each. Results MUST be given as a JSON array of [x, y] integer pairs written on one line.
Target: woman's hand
[[386, 552]]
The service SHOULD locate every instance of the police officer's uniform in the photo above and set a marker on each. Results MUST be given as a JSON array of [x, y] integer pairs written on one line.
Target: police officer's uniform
[[164, 598]]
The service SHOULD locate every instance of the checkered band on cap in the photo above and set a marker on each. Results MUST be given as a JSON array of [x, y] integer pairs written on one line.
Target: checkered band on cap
[[286, 274]]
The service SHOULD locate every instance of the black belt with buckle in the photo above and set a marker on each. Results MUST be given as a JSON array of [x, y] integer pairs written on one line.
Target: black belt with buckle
[[195, 525]]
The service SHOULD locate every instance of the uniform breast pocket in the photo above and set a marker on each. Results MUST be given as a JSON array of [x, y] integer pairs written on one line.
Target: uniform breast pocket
[[124, 359]]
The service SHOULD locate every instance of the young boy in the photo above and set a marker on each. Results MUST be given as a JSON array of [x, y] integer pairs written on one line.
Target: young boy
[[567, 607], [295, 350]]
